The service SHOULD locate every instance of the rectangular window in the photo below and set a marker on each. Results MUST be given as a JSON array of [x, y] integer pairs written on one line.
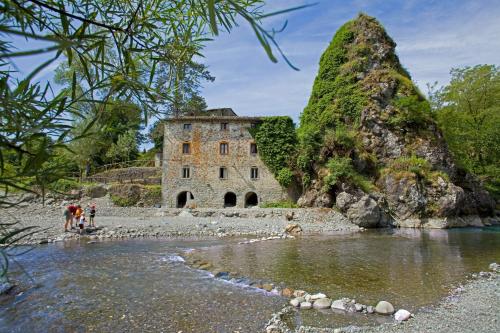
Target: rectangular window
[[223, 173], [187, 127], [186, 172], [253, 148], [186, 148], [224, 126], [224, 148], [254, 173]]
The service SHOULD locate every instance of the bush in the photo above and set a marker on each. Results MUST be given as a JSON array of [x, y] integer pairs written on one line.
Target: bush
[[151, 195], [285, 177], [279, 204], [412, 111], [413, 164], [64, 185], [123, 201], [341, 168]]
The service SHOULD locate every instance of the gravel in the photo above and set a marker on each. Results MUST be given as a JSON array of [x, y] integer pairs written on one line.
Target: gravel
[[133, 222], [469, 308]]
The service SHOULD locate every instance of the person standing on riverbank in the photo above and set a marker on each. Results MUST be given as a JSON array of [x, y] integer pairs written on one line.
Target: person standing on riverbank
[[68, 219], [77, 215], [92, 216], [72, 209]]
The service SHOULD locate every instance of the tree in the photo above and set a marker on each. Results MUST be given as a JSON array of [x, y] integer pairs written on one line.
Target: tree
[[116, 44], [125, 149], [468, 113], [138, 32]]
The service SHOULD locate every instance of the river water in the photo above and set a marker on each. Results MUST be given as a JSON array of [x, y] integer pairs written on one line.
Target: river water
[[144, 286]]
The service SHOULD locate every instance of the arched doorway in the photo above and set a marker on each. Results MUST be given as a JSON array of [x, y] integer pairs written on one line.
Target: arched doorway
[[229, 199], [251, 199], [182, 198]]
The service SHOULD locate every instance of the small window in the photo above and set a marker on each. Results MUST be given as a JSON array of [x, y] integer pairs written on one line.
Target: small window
[[187, 127], [224, 126], [186, 148], [254, 173], [223, 173], [224, 148], [253, 148], [186, 172]]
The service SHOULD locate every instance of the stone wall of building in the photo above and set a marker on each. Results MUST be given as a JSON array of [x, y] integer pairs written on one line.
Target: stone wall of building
[[204, 161]]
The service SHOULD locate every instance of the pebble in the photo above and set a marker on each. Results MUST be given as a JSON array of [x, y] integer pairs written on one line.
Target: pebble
[[295, 302]]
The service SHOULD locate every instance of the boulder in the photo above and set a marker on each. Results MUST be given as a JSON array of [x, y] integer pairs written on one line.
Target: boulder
[[295, 302], [293, 229], [289, 216], [267, 287], [299, 293], [495, 267], [402, 315], [384, 308], [322, 303], [364, 213], [341, 304], [185, 213], [344, 200], [317, 296], [97, 191], [287, 292], [358, 307], [305, 305]]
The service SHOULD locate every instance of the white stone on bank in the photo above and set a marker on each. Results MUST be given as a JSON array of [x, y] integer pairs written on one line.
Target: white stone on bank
[[305, 305], [402, 315], [384, 308]]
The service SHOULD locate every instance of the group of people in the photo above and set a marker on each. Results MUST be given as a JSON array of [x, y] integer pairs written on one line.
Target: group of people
[[75, 216]]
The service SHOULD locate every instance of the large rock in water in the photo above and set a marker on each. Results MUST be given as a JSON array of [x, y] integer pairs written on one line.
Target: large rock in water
[[364, 109], [365, 212]]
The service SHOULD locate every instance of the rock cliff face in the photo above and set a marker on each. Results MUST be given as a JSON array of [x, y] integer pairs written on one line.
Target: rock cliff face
[[369, 144]]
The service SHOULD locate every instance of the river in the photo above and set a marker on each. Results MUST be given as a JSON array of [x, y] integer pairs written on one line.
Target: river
[[144, 285]]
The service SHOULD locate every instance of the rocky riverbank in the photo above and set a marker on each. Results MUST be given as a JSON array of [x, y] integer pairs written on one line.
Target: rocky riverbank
[[472, 307], [135, 222]]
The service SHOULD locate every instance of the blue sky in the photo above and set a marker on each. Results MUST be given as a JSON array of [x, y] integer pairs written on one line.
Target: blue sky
[[432, 37]]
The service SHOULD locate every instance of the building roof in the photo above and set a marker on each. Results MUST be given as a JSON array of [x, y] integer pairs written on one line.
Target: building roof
[[214, 118], [219, 114]]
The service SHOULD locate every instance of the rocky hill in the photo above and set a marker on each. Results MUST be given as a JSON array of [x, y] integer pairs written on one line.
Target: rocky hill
[[370, 145]]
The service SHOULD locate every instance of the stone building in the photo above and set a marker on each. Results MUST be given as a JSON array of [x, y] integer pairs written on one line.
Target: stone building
[[211, 160]]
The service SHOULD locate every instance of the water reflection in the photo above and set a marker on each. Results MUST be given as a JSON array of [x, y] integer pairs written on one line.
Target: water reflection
[[138, 286], [411, 268]]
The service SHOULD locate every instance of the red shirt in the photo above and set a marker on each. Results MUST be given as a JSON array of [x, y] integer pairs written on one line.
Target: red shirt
[[72, 209]]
